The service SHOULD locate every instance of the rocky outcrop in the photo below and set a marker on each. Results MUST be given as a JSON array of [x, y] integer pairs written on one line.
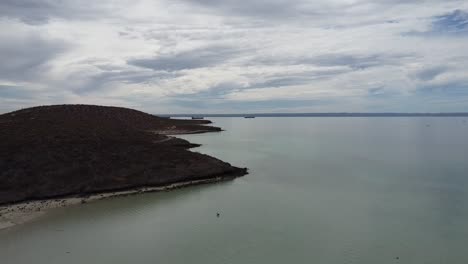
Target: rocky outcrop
[[62, 150]]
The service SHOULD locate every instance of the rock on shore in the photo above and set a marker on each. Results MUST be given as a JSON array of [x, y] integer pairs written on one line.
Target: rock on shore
[[63, 150]]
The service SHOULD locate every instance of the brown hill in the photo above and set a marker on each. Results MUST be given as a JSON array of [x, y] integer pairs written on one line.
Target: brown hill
[[62, 150]]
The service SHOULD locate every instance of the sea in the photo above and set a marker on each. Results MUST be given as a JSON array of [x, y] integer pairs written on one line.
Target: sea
[[323, 190]]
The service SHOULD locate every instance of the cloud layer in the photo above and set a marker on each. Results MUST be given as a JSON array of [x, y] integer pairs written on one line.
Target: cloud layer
[[224, 56]]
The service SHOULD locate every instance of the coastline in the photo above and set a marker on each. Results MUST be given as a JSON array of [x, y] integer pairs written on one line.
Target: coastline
[[23, 212], [103, 152]]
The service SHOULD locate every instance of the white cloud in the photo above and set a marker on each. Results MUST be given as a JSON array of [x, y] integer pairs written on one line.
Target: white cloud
[[348, 54]]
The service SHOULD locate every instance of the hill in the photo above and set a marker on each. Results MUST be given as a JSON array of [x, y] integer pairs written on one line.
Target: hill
[[63, 150]]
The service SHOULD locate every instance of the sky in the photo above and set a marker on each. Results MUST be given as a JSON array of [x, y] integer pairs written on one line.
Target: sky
[[231, 56]]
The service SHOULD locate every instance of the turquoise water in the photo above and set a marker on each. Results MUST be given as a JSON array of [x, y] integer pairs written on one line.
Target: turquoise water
[[320, 190]]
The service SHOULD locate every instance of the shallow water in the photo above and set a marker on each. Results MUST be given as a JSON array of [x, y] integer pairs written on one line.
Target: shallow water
[[320, 190]]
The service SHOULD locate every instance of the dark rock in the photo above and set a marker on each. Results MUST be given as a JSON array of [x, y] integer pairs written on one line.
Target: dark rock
[[83, 149]]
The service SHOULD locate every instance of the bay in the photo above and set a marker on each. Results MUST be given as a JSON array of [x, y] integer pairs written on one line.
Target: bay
[[320, 190]]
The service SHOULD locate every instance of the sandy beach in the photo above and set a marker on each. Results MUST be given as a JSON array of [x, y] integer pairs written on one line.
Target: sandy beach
[[20, 213]]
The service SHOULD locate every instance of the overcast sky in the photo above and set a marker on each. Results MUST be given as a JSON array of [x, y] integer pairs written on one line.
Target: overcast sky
[[225, 56]]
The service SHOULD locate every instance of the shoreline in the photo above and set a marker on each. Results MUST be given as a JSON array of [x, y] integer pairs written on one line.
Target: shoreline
[[23, 212], [103, 151], [184, 132]]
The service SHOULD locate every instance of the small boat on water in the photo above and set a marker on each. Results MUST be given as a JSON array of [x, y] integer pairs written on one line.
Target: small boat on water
[[249, 116], [198, 117]]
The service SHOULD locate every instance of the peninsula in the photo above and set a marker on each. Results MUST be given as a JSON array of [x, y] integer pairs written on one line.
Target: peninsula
[[81, 150]]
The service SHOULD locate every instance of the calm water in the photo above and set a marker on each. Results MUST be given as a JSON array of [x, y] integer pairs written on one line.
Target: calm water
[[321, 190]]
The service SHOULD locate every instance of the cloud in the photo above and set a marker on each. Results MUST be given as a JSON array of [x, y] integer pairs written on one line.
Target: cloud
[[430, 73], [321, 13], [452, 24], [17, 92], [270, 106], [26, 53], [110, 81], [358, 61], [449, 90], [226, 55], [260, 8], [37, 12], [29, 11], [192, 59], [455, 22]]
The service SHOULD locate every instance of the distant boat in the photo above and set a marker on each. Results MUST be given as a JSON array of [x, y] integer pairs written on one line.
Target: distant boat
[[198, 117], [249, 116]]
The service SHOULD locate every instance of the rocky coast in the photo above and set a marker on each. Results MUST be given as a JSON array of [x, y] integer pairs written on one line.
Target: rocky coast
[[54, 156]]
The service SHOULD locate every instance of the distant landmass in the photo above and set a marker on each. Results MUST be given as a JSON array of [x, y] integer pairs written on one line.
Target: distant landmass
[[463, 114], [65, 150]]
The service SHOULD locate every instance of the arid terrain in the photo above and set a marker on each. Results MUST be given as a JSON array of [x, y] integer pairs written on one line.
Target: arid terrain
[[70, 150]]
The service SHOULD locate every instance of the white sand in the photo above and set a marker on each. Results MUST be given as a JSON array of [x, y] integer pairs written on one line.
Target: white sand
[[20, 213], [181, 132]]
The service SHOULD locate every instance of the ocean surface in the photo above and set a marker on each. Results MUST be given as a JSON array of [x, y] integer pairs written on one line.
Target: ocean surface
[[331, 190]]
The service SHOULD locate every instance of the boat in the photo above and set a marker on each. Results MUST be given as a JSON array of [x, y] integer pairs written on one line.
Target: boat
[[249, 116]]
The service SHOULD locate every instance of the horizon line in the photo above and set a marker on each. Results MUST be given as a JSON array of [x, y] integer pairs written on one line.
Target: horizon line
[[320, 114]]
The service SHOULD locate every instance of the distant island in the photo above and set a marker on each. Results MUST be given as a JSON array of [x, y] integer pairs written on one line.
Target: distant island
[[69, 150]]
